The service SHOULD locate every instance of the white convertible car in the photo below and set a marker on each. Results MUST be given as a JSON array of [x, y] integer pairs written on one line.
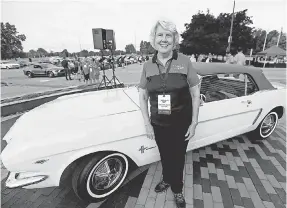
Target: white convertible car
[[103, 132]]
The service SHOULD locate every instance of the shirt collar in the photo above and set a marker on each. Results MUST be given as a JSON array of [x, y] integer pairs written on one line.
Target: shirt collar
[[174, 56]]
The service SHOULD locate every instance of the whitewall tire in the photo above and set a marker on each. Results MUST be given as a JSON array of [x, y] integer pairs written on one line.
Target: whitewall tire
[[266, 127], [98, 177]]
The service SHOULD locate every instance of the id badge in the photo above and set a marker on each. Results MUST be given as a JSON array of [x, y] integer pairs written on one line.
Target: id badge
[[164, 104]]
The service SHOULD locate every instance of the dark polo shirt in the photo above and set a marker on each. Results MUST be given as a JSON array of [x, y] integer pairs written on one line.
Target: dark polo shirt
[[181, 77]]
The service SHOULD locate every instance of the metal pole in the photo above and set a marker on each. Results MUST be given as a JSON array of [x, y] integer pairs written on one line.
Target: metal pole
[[230, 34], [279, 36], [265, 40]]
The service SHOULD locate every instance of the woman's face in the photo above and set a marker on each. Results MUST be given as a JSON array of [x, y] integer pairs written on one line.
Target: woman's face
[[164, 40]]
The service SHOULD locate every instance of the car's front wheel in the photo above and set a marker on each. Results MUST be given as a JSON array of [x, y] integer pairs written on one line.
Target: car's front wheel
[[99, 176], [50, 74], [29, 74], [266, 127]]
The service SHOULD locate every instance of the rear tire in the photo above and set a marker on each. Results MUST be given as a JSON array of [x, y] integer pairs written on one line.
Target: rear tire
[[266, 126], [92, 182]]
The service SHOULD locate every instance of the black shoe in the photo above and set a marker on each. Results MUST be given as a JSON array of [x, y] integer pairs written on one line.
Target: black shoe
[[161, 186], [179, 200]]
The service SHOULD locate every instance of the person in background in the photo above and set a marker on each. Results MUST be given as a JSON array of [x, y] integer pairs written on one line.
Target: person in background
[[209, 58], [192, 58], [174, 105], [229, 58], [240, 57], [71, 66], [65, 64], [97, 72], [80, 70], [200, 57], [86, 70], [94, 71]]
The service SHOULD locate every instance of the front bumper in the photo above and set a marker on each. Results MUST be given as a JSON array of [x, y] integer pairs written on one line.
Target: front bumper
[[19, 180]]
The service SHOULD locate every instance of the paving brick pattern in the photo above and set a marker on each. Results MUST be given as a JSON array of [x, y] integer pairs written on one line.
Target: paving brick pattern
[[239, 172]]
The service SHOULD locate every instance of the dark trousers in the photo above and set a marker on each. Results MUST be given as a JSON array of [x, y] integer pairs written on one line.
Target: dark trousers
[[172, 147], [68, 73]]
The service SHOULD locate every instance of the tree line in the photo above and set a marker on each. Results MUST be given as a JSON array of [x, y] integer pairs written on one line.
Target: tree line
[[204, 34]]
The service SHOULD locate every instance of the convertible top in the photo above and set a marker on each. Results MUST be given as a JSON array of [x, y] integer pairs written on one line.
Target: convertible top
[[204, 69]]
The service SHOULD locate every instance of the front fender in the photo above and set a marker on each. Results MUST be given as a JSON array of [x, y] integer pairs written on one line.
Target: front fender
[[269, 100]]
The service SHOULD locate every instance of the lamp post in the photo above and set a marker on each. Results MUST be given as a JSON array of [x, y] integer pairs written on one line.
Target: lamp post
[[279, 36], [230, 34]]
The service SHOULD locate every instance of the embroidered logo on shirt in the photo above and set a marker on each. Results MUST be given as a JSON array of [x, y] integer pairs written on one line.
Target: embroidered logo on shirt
[[177, 67]]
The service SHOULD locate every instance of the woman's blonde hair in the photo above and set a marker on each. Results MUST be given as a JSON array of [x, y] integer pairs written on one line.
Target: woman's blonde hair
[[167, 25]]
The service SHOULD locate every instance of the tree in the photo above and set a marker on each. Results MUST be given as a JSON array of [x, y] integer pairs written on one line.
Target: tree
[[208, 34], [272, 38], [119, 52], [42, 52], [84, 53], [32, 53], [130, 49], [146, 48], [11, 41], [65, 53]]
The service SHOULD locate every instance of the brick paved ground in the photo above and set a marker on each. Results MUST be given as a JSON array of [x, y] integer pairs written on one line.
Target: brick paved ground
[[239, 172]]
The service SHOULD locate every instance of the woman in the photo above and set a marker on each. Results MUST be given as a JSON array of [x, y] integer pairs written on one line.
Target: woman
[[94, 71], [171, 84], [86, 70]]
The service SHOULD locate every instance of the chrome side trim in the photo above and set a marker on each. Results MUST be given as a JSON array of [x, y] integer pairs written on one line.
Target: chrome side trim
[[257, 116], [226, 116]]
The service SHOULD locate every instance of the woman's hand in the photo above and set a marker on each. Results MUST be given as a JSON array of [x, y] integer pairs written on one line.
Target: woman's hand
[[149, 131], [191, 131]]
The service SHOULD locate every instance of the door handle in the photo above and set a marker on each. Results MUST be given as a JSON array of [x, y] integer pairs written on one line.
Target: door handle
[[247, 101]]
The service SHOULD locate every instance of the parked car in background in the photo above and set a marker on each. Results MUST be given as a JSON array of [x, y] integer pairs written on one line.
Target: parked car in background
[[23, 63], [234, 100], [43, 69], [9, 65]]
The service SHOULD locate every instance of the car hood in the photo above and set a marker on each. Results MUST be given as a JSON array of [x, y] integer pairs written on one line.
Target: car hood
[[59, 125]]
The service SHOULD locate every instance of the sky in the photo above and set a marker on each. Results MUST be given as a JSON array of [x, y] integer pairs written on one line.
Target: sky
[[63, 24]]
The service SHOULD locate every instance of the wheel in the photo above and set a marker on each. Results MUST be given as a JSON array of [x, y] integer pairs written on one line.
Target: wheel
[[98, 177], [50, 74], [29, 74], [266, 127]]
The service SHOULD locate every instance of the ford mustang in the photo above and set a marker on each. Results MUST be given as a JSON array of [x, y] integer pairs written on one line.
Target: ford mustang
[[43, 69], [105, 134]]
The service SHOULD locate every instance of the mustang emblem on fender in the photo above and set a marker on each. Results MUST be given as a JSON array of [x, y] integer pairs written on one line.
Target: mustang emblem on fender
[[143, 148]]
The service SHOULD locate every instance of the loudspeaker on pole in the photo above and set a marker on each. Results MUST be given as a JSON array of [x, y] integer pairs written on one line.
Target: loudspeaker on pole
[[104, 39]]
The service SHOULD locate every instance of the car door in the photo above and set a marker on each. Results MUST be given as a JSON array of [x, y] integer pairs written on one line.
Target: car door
[[36, 69], [229, 108]]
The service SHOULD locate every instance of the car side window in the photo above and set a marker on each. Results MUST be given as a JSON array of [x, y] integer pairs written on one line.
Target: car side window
[[226, 86]]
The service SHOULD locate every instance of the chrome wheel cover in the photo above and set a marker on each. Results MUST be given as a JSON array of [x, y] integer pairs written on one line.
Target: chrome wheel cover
[[268, 125], [106, 174]]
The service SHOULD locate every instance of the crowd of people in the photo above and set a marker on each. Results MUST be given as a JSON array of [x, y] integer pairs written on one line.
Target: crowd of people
[[239, 58], [87, 69]]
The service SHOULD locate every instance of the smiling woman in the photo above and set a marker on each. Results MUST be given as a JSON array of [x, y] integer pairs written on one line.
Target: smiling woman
[[171, 85]]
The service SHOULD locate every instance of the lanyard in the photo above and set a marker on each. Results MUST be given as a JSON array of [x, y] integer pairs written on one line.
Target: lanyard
[[163, 79]]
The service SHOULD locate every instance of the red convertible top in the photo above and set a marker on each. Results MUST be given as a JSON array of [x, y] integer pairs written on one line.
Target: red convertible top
[[262, 82]]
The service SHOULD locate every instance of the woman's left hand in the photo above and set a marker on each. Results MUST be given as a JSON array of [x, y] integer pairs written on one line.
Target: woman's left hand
[[190, 132]]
